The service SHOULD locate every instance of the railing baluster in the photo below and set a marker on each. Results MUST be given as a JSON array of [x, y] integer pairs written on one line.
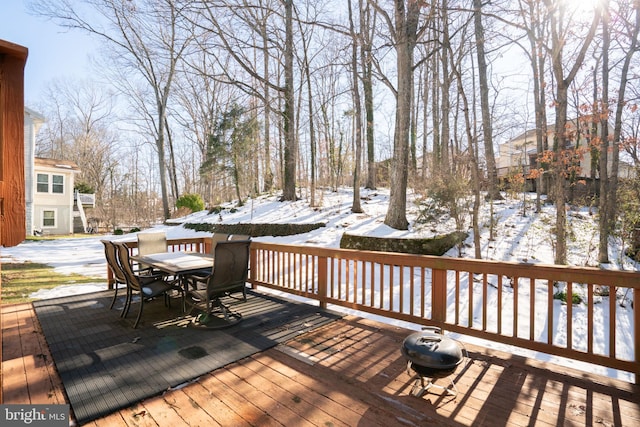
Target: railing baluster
[[457, 303], [516, 279], [484, 301], [532, 309], [613, 303], [550, 316], [570, 315], [499, 305], [470, 298], [590, 303]]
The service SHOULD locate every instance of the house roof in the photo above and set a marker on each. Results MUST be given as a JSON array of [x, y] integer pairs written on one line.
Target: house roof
[[530, 134], [56, 163], [35, 116]]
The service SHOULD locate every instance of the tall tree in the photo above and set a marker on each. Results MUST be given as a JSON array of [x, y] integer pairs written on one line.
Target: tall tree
[[563, 80], [487, 126], [404, 31], [232, 23], [288, 115], [80, 127], [609, 181], [355, 206], [367, 24], [145, 38]]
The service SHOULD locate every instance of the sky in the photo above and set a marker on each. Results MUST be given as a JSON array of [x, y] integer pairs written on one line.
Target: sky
[[54, 52], [518, 238]]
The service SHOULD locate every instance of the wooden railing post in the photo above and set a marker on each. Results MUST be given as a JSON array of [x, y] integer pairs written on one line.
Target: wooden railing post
[[322, 281], [110, 279], [253, 266], [439, 295]]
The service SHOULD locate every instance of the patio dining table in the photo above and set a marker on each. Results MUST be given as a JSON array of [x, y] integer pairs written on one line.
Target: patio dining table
[[177, 264]]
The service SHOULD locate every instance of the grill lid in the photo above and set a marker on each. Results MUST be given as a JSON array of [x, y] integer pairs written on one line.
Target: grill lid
[[432, 350]]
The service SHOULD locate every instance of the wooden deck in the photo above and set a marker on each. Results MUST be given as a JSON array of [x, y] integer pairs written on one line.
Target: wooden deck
[[349, 373]]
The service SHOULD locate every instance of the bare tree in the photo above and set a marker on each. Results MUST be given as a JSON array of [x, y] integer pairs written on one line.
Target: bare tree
[[609, 181], [404, 30], [368, 21], [355, 206], [563, 80], [232, 23], [145, 38], [487, 126]]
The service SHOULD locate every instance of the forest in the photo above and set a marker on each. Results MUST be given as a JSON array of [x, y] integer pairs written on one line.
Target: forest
[[228, 99]]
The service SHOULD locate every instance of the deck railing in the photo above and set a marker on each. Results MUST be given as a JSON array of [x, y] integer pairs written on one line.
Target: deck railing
[[504, 302]]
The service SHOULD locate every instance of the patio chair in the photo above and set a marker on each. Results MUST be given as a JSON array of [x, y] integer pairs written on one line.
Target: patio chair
[[151, 243], [217, 237], [112, 262], [202, 274], [229, 275], [147, 286]]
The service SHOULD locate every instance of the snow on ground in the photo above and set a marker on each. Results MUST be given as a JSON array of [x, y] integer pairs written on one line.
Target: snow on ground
[[519, 235]]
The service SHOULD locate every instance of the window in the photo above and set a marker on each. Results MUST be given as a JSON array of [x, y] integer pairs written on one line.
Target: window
[[43, 183], [57, 184], [48, 218]]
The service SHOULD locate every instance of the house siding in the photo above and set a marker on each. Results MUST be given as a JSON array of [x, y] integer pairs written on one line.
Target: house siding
[[60, 203]]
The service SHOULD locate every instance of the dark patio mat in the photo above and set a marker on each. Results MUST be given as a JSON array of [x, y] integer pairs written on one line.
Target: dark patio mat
[[106, 365]]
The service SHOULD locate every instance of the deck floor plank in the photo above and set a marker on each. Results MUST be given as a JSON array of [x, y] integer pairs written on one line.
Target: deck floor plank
[[288, 398], [212, 406], [347, 373]]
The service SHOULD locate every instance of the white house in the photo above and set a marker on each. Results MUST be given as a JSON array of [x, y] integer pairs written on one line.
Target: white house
[[53, 196], [49, 186]]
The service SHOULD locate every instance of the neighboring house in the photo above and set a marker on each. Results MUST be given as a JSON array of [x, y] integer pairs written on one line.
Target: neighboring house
[[53, 200], [520, 155], [52, 206]]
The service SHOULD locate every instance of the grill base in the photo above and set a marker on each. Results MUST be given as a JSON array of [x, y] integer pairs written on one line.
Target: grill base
[[423, 384]]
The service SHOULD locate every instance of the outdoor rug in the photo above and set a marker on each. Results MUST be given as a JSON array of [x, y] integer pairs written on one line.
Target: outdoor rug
[[106, 365]]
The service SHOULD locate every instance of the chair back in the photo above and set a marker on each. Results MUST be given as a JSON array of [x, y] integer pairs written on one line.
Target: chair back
[[125, 262], [152, 243], [112, 261], [230, 267], [239, 237], [217, 237]]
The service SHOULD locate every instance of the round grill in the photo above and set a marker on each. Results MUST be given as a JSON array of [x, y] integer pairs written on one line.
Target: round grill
[[431, 356]]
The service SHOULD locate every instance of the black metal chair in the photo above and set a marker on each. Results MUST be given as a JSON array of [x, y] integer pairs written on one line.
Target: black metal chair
[[229, 275], [148, 286]]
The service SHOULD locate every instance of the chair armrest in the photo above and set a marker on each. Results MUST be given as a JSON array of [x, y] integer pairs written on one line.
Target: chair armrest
[[197, 277]]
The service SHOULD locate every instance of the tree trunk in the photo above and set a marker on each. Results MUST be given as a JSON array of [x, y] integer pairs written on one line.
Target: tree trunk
[[561, 102], [367, 88], [605, 190], [355, 206], [537, 67], [406, 22], [492, 173], [268, 172], [290, 145]]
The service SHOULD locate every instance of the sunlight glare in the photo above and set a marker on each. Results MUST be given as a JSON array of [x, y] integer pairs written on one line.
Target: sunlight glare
[[581, 6]]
